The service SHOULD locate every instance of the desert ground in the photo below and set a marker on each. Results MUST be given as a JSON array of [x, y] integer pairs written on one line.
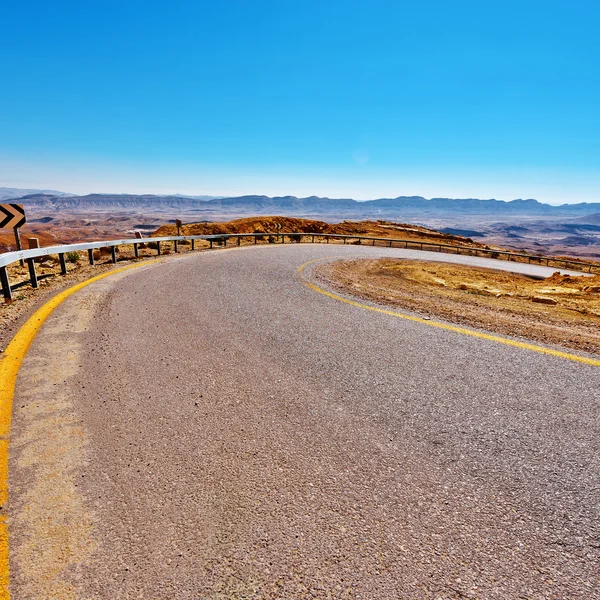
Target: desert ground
[[559, 310]]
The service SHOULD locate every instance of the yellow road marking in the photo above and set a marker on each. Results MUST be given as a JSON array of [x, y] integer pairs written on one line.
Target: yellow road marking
[[470, 332], [9, 369]]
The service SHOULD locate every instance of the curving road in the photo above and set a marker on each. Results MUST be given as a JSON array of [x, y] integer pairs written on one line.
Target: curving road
[[210, 428]]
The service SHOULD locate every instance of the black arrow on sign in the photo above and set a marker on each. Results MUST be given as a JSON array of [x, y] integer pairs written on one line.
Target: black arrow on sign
[[12, 215]]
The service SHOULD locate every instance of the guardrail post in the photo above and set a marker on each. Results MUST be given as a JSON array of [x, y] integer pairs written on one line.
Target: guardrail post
[[255, 239], [344, 240], [113, 253], [193, 244], [176, 246], [373, 243], [5, 285], [313, 239], [91, 256], [63, 264], [210, 243], [136, 251], [32, 274], [158, 248], [239, 241]]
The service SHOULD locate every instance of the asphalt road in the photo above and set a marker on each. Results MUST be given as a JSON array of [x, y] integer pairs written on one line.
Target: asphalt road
[[210, 428]]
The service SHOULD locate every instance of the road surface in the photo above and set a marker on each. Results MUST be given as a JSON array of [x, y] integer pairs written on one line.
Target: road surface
[[210, 428]]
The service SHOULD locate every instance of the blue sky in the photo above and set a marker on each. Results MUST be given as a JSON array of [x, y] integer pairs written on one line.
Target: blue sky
[[341, 99]]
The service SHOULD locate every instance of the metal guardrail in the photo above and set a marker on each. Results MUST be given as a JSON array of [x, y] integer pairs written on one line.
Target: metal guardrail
[[9, 258]]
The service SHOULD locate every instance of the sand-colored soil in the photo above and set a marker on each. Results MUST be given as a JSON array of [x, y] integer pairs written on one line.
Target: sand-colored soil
[[559, 310], [385, 229]]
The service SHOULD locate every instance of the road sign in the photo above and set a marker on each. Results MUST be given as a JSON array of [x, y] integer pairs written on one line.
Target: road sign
[[12, 215]]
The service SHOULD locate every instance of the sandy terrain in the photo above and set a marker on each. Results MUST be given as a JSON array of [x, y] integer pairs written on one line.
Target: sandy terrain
[[290, 224], [559, 310]]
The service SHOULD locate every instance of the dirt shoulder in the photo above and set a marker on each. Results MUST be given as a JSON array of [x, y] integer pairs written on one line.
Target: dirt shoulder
[[559, 310]]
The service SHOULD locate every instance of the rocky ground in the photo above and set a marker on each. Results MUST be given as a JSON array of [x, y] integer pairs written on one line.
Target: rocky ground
[[279, 224], [559, 310]]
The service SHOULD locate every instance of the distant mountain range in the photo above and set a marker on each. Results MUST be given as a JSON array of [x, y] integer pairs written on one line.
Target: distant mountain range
[[9, 193], [400, 208]]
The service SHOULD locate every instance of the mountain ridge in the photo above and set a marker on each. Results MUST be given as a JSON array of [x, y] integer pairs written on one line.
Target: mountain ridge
[[7, 193], [413, 206]]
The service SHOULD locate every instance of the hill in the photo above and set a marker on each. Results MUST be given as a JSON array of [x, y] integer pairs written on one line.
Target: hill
[[380, 228]]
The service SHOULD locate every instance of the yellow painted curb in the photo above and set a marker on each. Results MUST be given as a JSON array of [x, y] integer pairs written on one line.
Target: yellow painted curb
[[9, 368], [470, 332]]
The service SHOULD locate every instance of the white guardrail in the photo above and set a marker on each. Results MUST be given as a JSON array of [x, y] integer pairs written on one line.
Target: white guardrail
[[9, 258]]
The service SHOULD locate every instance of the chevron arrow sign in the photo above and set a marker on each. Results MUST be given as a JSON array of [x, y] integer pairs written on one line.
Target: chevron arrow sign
[[12, 215]]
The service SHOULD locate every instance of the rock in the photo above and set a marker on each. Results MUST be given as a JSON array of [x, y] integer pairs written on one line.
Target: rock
[[593, 289], [47, 264], [463, 286], [544, 300]]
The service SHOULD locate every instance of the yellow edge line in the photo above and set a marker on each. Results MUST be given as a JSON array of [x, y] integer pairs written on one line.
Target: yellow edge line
[[9, 368], [470, 332]]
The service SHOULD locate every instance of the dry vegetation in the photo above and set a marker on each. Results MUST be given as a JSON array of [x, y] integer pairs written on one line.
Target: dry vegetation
[[559, 310]]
